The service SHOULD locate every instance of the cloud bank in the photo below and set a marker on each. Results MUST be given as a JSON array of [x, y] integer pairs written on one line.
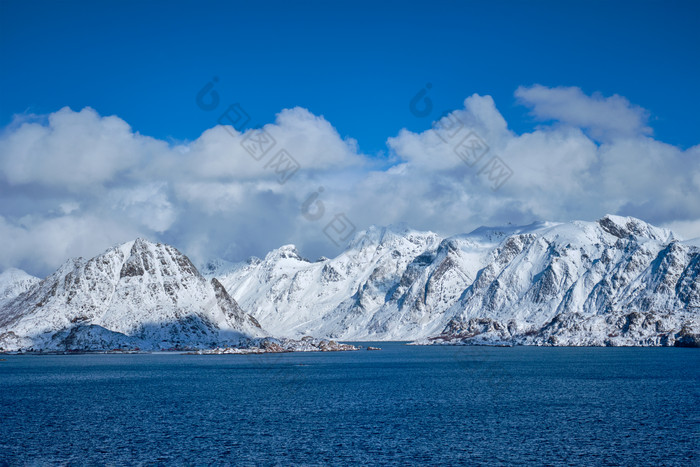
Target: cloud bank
[[73, 183]]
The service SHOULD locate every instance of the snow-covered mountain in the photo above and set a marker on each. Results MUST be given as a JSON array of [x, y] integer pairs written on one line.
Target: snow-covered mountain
[[14, 282], [138, 294], [617, 281], [336, 298]]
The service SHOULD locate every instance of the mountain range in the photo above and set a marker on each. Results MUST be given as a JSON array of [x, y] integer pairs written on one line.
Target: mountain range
[[615, 281]]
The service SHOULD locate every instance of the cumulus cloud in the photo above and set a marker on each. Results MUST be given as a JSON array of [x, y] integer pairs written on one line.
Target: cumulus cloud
[[72, 150], [604, 117], [73, 183]]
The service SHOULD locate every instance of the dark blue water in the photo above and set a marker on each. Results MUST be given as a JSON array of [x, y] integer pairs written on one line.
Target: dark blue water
[[401, 405]]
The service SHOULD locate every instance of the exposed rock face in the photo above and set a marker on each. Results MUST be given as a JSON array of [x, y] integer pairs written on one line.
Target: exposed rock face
[[269, 345], [617, 281], [138, 294]]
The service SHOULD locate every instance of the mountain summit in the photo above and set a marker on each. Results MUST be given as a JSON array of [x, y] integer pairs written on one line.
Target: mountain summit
[[139, 294]]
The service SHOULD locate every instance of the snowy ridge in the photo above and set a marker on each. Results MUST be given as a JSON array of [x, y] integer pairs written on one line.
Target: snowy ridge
[[14, 282], [330, 297], [616, 281]]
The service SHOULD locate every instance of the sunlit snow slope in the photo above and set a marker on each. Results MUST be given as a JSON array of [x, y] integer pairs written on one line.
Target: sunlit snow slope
[[136, 294], [617, 281]]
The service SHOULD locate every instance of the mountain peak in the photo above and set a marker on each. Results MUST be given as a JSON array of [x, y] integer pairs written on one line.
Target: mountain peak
[[389, 235], [135, 292], [156, 259], [624, 227], [286, 252], [498, 233], [14, 274]]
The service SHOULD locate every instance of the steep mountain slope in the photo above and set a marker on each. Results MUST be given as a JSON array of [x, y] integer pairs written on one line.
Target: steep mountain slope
[[138, 294], [617, 281], [14, 282], [330, 297]]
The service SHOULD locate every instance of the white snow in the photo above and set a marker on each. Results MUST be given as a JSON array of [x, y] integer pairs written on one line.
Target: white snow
[[148, 292], [400, 284], [14, 282], [616, 281]]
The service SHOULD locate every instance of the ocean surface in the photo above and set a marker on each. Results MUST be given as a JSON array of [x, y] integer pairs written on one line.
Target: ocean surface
[[401, 405]]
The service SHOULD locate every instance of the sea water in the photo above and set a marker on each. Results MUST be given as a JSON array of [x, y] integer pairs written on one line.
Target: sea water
[[400, 405]]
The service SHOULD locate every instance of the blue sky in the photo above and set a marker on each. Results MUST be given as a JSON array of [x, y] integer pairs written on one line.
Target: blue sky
[[587, 108], [356, 63]]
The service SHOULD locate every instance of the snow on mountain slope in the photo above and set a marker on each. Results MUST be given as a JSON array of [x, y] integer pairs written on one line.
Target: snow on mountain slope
[[136, 294], [617, 281], [435, 280], [390, 283], [14, 282], [330, 297], [581, 284]]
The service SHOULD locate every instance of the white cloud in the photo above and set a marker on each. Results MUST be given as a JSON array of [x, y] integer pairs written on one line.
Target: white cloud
[[604, 117], [73, 183], [73, 150], [219, 153], [40, 244], [146, 204]]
